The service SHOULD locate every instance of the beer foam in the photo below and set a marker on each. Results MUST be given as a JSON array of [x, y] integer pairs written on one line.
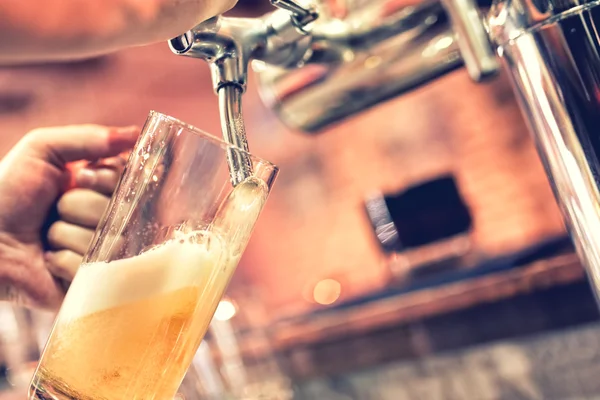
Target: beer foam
[[185, 261], [178, 263]]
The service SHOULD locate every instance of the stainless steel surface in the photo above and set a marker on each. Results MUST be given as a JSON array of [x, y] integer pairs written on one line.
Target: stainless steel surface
[[375, 53], [552, 51], [234, 132], [510, 19], [472, 38]]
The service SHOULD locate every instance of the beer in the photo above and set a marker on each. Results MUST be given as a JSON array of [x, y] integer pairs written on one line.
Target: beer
[[129, 328]]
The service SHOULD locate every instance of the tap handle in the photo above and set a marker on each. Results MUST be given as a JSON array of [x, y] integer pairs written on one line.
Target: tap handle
[[302, 15], [472, 38]]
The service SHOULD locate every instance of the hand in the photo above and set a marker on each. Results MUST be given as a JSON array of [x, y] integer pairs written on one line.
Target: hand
[[32, 177], [77, 214]]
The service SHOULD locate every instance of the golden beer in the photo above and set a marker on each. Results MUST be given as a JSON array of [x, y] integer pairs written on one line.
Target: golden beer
[[129, 328]]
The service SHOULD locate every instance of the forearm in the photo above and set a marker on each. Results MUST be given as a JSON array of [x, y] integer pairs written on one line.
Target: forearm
[[42, 30]]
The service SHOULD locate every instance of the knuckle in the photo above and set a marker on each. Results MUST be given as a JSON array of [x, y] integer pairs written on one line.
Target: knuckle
[[109, 180], [36, 132], [34, 137]]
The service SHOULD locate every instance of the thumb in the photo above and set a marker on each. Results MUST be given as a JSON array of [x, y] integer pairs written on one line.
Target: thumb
[[61, 145]]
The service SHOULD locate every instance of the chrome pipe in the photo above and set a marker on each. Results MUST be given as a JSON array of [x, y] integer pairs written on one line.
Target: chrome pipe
[[552, 52]]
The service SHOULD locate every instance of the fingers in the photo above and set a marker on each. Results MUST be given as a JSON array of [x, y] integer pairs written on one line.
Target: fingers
[[83, 207], [63, 264], [80, 211], [79, 142], [102, 180], [70, 242], [63, 235], [101, 176]]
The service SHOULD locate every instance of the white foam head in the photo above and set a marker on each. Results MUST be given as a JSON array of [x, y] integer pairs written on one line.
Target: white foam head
[[179, 263], [182, 262]]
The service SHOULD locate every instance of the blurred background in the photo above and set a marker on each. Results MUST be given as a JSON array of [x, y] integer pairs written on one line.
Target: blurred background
[[478, 295]]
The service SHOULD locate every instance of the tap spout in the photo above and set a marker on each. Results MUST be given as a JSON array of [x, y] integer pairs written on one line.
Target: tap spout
[[228, 45]]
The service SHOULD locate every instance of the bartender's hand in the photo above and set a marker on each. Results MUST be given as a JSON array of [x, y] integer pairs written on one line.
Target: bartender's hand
[[77, 214], [37, 177], [42, 30]]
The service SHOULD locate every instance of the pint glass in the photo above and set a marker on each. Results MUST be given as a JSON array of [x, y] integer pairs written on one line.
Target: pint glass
[[156, 269]]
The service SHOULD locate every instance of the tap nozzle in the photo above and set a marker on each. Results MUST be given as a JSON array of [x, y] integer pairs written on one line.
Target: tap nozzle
[[229, 44]]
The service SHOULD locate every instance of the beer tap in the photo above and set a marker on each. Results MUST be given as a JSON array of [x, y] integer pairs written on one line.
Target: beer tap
[[228, 45], [380, 49]]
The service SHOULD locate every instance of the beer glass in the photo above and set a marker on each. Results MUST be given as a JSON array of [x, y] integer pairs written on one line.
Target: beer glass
[[156, 269]]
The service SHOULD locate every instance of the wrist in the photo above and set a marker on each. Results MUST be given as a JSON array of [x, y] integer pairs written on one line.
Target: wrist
[[12, 259]]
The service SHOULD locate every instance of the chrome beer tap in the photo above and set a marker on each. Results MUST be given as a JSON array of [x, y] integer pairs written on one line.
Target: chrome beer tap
[[280, 38]]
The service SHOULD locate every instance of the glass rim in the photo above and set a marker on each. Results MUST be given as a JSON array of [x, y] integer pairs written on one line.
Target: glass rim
[[211, 137]]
